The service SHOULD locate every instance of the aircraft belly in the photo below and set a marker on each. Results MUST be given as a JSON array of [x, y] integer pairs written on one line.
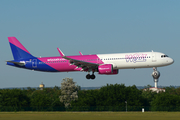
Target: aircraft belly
[[132, 65], [63, 67]]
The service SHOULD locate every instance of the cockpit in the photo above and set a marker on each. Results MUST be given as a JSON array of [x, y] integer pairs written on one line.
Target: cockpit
[[163, 56]]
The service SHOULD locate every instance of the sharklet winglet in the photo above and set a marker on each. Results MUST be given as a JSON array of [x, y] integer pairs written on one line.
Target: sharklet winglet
[[80, 53], [60, 52]]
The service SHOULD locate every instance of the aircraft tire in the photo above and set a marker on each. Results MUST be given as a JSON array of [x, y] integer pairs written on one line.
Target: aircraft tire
[[93, 76], [88, 76]]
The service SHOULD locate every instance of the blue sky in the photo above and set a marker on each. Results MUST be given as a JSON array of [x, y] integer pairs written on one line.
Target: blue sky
[[92, 27]]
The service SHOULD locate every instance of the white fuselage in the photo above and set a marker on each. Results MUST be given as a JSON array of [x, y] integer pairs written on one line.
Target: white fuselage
[[136, 60]]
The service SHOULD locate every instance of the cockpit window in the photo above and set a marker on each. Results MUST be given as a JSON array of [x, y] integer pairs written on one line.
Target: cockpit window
[[162, 56]]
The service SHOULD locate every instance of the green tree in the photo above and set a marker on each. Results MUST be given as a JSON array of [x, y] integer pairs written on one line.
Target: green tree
[[172, 90], [46, 99], [148, 96], [14, 99], [116, 95], [86, 98], [165, 101], [40, 98]]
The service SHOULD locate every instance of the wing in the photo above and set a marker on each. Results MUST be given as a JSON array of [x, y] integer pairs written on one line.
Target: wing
[[80, 63]]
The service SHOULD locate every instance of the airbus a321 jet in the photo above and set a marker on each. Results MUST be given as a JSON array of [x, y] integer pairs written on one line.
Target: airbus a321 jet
[[104, 64]]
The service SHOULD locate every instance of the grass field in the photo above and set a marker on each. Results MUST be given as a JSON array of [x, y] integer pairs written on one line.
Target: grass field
[[89, 116]]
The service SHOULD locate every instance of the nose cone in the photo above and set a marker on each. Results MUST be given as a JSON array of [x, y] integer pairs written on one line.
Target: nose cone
[[171, 61]]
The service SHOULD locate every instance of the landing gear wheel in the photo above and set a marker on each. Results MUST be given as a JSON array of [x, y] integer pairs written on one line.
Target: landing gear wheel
[[88, 76], [93, 76]]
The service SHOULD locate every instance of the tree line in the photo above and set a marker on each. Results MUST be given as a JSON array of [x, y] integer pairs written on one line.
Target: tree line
[[107, 98]]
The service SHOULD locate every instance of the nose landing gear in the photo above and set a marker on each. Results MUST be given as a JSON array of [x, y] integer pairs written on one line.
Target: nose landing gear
[[156, 75]]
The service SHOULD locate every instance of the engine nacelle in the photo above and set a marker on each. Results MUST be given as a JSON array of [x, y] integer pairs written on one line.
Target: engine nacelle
[[115, 72], [107, 69]]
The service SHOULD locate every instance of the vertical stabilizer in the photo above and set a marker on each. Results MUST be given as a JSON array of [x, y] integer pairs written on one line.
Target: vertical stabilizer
[[18, 50]]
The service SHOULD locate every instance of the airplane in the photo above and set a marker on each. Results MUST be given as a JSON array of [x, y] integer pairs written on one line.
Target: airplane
[[104, 64]]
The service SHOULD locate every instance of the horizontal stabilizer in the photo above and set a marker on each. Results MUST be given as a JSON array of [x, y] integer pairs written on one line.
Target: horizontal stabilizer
[[17, 63]]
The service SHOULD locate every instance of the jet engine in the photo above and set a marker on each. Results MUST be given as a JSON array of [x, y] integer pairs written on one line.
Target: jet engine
[[107, 69]]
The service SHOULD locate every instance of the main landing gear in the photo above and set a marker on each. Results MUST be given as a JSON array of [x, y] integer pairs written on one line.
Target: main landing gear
[[88, 76]]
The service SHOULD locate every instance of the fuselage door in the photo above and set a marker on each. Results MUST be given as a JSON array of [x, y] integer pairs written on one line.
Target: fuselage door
[[34, 63], [153, 57]]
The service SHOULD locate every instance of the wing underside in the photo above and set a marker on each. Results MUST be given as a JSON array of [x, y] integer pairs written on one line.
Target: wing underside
[[86, 66]]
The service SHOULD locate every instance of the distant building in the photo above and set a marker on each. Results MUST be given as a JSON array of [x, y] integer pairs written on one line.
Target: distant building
[[154, 89], [42, 86]]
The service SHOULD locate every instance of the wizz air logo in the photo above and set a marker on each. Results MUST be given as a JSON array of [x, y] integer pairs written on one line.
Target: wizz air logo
[[136, 58]]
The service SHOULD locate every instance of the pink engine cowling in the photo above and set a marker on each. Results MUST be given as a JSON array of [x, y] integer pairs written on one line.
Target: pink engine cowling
[[107, 69]]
